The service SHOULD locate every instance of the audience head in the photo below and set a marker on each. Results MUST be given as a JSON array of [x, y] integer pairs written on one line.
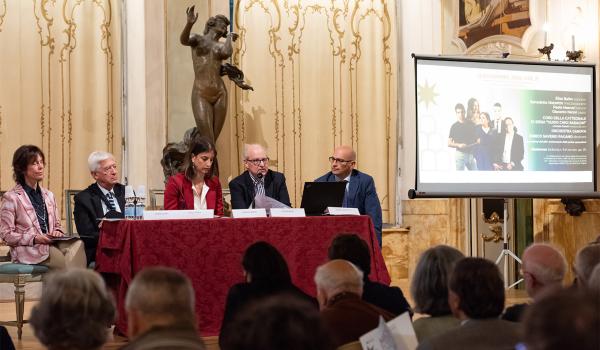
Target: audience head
[[342, 161], [594, 281], [159, 296], [74, 312], [543, 266], [335, 277], [476, 290], [586, 259], [256, 160], [279, 322], [264, 264], [200, 158], [349, 246], [563, 319], [429, 287], [103, 168], [28, 163]]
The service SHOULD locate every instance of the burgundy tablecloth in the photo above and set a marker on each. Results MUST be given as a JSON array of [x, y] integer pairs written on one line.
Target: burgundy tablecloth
[[209, 252]]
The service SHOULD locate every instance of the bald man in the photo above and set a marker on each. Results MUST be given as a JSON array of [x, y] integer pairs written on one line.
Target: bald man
[[544, 267], [360, 187], [344, 313], [258, 179]]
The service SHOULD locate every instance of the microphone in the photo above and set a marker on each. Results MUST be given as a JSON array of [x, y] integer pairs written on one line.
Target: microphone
[[259, 176]]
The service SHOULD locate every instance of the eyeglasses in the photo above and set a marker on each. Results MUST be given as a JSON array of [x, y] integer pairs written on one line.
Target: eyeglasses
[[107, 169], [258, 161], [341, 161]]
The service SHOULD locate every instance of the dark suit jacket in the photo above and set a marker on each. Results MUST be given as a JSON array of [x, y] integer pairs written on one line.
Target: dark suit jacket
[[242, 189], [489, 334], [362, 195], [243, 294], [179, 194], [87, 211], [517, 150], [386, 297], [348, 317], [515, 313]]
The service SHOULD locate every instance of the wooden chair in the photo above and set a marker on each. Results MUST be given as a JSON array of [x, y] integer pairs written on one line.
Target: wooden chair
[[355, 345], [19, 275], [69, 206]]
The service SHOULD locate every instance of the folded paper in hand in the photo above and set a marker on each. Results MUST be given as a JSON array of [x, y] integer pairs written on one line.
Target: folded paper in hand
[[397, 334]]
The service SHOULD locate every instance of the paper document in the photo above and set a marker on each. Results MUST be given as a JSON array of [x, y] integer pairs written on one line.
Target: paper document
[[397, 334], [267, 203]]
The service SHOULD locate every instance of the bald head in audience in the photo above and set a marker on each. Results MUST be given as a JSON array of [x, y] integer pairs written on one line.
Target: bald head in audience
[[543, 266], [159, 296], [586, 259], [335, 277]]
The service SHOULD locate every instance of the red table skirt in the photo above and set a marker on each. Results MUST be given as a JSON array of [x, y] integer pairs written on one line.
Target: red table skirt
[[210, 251]]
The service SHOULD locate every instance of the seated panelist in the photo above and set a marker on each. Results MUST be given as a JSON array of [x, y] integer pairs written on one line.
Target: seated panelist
[[196, 187], [29, 219], [258, 179], [104, 198]]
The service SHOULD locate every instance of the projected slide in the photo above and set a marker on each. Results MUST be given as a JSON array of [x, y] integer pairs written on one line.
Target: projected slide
[[504, 127]]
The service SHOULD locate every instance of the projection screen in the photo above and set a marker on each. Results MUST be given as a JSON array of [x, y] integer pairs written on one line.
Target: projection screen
[[502, 128]]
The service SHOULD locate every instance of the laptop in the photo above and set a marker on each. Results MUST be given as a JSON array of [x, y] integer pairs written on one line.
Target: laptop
[[317, 196]]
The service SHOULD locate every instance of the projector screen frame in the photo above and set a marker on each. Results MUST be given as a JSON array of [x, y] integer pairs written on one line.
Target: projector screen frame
[[416, 193]]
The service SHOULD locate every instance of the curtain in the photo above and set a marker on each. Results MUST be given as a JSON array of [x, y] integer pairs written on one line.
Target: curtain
[[324, 73], [60, 86]]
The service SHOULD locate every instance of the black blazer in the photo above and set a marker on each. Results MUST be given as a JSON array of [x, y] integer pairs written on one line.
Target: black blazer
[[88, 209], [242, 189], [517, 150]]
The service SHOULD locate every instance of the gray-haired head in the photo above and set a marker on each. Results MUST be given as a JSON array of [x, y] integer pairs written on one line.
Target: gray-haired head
[[586, 259], [251, 148], [545, 264], [73, 299], [96, 158], [162, 294], [339, 276], [429, 287]]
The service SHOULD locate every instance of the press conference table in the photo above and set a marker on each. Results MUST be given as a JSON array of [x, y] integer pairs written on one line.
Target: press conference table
[[209, 252]]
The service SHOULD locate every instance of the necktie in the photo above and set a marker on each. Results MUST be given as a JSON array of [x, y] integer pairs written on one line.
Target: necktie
[[110, 202], [259, 188], [345, 201]]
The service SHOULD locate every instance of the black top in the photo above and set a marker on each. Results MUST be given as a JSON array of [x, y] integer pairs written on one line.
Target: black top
[[37, 200], [386, 297], [242, 189], [514, 313], [464, 133]]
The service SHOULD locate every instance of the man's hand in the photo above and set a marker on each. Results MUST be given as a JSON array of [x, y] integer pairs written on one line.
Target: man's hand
[[509, 166], [461, 145], [191, 16], [497, 166], [41, 239]]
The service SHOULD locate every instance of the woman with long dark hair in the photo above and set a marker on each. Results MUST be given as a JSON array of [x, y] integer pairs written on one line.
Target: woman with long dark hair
[[196, 187]]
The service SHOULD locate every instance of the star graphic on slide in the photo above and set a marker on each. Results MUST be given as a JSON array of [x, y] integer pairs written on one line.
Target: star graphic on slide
[[427, 94]]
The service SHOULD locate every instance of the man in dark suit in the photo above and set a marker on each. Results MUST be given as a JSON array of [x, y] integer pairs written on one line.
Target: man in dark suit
[[257, 180], [476, 298], [105, 197], [360, 187], [344, 313]]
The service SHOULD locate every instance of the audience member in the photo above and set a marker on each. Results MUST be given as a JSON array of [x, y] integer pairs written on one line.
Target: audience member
[[74, 312], [160, 311], [267, 274], [29, 218], [429, 289], [563, 319], [594, 281], [339, 291], [276, 323], [586, 259], [6, 342], [197, 187], [360, 187], [476, 298], [257, 180], [104, 198], [543, 267], [354, 249]]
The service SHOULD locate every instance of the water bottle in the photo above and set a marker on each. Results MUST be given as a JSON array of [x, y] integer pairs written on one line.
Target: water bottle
[[141, 202], [129, 203]]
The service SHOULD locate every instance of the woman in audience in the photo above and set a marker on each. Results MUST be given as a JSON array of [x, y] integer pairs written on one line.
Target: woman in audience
[[75, 311], [267, 274], [196, 187], [29, 219], [429, 290]]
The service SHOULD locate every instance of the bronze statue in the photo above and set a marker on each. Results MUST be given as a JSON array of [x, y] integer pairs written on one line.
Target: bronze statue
[[547, 50], [209, 96], [575, 56]]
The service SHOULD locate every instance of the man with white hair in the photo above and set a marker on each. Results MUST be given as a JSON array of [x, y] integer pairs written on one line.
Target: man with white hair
[[257, 180], [345, 314], [104, 198], [544, 267]]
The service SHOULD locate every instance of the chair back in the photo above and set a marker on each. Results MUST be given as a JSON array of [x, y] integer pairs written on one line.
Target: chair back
[[69, 207], [157, 199], [355, 345]]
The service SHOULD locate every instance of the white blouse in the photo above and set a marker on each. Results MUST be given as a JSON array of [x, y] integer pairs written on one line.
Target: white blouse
[[200, 198]]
